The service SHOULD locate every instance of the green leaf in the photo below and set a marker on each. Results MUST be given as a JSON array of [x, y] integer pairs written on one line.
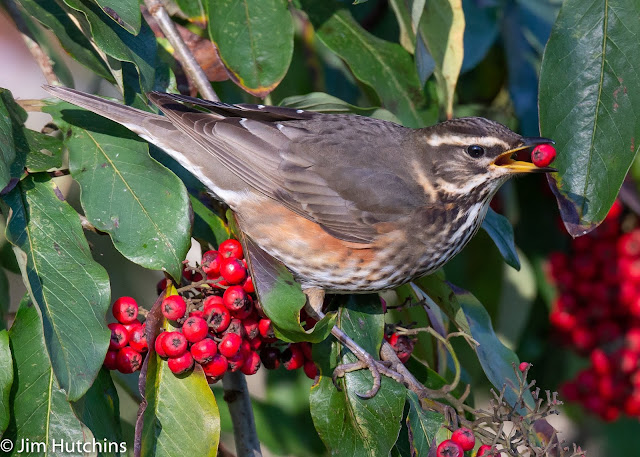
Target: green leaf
[[142, 205], [325, 103], [50, 14], [254, 39], [181, 417], [422, 425], [281, 297], [45, 152], [40, 411], [383, 65], [590, 106], [407, 35], [193, 9], [6, 379], [501, 232], [207, 225], [462, 308], [119, 44], [99, 410], [347, 424], [126, 13], [4, 298], [441, 28], [69, 287], [11, 119]]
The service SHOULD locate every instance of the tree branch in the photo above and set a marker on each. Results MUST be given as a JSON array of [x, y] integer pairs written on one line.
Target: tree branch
[[41, 57], [183, 54], [237, 397]]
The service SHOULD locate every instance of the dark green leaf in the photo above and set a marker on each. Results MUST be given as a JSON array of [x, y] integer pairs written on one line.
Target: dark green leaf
[[45, 152], [193, 9], [254, 40], [99, 410], [325, 103], [69, 287], [593, 110], [119, 44], [281, 297], [441, 28], [383, 65], [40, 411], [480, 31], [6, 379], [4, 298], [501, 232], [50, 14], [407, 35], [181, 417], [141, 204], [11, 119], [347, 424], [423, 426], [125, 13]]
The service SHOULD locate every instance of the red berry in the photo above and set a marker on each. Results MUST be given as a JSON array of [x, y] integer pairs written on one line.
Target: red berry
[[233, 271], [125, 310], [132, 326], [266, 330], [119, 336], [217, 367], [250, 325], [402, 345], [231, 249], [181, 364], [251, 363], [235, 298], [600, 361], [244, 312], [138, 339], [174, 344], [632, 404], [195, 329], [255, 343], [483, 450], [310, 369], [158, 344], [220, 317], [562, 320], [247, 285], [292, 358], [110, 360], [628, 361], [173, 307], [128, 360], [230, 345], [542, 155], [211, 263], [270, 357], [465, 438], [203, 351], [306, 350], [235, 362], [632, 339], [449, 448]]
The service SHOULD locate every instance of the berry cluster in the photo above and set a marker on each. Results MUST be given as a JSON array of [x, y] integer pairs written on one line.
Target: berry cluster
[[462, 440], [597, 313], [128, 342], [219, 324]]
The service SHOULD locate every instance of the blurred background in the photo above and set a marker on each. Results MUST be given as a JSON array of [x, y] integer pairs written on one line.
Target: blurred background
[[571, 310]]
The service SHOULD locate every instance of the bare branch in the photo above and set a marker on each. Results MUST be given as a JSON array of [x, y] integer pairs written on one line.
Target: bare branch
[[183, 54], [237, 397]]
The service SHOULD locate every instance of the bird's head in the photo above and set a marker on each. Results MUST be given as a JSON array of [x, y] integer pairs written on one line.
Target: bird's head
[[476, 155]]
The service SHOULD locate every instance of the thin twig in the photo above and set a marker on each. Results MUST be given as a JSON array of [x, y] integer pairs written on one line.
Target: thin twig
[[237, 397], [41, 57], [183, 54]]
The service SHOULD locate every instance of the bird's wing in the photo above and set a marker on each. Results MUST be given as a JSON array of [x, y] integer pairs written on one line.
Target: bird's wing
[[323, 167]]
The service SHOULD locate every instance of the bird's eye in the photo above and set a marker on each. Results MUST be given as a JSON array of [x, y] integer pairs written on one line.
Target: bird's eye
[[475, 151]]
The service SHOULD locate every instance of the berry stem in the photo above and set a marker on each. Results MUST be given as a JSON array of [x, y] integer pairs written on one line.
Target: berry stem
[[236, 395]]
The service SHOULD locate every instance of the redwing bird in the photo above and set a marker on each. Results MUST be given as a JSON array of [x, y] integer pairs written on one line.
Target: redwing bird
[[347, 203]]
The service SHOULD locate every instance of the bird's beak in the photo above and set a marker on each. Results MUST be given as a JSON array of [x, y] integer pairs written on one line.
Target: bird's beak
[[506, 160]]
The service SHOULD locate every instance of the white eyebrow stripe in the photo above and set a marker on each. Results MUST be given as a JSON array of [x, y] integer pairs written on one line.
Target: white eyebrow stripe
[[461, 140]]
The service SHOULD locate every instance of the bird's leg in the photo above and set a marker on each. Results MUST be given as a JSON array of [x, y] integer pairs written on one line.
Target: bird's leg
[[315, 299]]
